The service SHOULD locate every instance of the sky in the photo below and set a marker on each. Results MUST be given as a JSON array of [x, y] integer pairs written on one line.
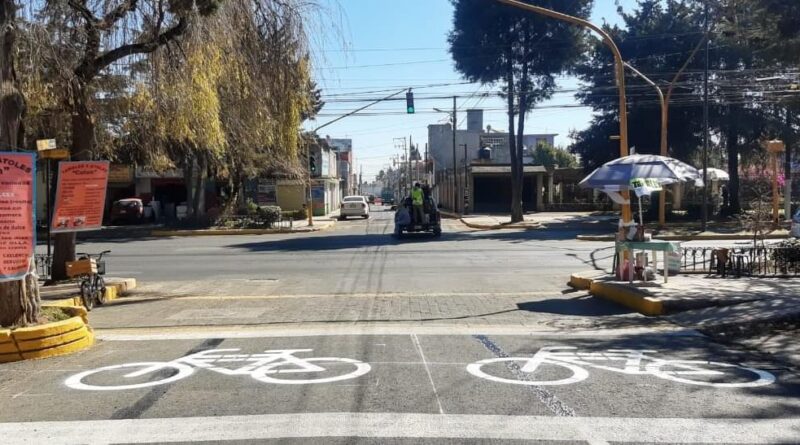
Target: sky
[[384, 46]]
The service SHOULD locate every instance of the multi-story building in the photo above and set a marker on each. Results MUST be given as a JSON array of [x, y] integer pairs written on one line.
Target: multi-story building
[[483, 167], [347, 172]]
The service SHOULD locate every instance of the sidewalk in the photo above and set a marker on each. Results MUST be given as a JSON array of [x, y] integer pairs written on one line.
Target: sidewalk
[[761, 313], [692, 232], [298, 226], [536, 220]]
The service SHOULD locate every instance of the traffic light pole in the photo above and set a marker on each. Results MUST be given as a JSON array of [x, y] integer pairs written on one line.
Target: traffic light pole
[[359, 109], [455, 166]]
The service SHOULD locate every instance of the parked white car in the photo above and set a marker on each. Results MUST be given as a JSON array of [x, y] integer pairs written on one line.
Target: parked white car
[[354, 206]]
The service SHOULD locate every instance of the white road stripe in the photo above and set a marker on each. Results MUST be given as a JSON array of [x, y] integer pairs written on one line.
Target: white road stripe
[[332, 329], [427, 370], [400, 425]]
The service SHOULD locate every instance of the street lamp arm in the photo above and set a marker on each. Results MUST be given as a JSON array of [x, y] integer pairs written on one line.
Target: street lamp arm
[[662, 100], [662, 208]]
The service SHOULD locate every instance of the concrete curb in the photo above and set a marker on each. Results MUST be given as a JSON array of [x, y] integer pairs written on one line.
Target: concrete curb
[[221, 232], [629, 297], [114, 290], [579, 282], [472, 225], [524, 226], [715, 237], [47, 340]]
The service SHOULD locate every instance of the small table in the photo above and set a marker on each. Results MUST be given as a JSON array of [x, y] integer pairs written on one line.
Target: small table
[[653, 246]]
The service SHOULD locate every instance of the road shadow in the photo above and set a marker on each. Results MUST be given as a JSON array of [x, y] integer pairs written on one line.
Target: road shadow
[[583, 305], [335, 241]]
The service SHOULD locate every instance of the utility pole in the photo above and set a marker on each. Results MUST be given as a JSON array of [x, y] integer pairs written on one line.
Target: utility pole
[[466, 181], [410, 155], [455, 167], [360, 178], [705, 126]]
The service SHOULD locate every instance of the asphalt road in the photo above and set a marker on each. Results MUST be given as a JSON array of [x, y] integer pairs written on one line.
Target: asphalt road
[[350, 336], [596, 389], [356, 256]]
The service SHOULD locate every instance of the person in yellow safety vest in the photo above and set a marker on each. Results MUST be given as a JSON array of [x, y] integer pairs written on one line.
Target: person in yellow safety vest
[[417, 200]]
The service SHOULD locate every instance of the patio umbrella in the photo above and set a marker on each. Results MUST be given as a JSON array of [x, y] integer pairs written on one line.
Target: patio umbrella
[[615, 176], [716, 174]]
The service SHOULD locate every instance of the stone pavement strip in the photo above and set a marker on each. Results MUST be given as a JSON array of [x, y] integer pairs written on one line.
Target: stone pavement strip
[[759, 313], [534, 310], [685, 292]]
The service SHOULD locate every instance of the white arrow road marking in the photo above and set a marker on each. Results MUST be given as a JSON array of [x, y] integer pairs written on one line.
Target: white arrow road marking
[[400, 425]]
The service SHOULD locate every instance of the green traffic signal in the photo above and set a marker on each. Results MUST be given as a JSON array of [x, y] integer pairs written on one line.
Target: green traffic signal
[[410, 102]]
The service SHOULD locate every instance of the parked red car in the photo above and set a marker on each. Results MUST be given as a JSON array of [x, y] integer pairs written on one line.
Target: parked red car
[[127, 211]]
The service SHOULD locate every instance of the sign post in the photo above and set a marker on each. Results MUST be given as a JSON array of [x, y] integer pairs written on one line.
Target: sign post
[[775, 148], [17, 214], [48, 150]]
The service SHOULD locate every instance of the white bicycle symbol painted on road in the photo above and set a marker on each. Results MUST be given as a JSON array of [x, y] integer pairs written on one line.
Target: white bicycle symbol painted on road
[[272, 366], [635, 362]]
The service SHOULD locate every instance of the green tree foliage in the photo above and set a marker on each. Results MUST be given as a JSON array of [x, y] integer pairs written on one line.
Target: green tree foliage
[[493, 43], [549, 156], [749, 40], [657, 38]]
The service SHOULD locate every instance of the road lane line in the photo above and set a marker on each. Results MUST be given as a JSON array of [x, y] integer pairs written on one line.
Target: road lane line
[[428, 370], [323, 329], [404, 425]]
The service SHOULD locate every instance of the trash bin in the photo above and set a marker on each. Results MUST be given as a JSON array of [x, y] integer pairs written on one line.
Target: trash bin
[[796, 225]]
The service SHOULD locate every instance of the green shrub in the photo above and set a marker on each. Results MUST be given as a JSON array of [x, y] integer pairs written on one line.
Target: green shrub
[[269, 214]]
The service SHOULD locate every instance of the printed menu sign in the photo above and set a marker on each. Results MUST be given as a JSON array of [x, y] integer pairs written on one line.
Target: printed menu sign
[[17, 235], [80, 196]]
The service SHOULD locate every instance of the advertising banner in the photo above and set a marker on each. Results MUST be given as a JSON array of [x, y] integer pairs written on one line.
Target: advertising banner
[[17, 207], [80, 196], [645, 186]]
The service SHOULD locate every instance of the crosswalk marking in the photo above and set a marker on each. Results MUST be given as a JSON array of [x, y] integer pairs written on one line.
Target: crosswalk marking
[[404, 425]]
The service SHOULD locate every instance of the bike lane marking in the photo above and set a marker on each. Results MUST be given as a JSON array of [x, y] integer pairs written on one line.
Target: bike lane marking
[[405, 425], [553, 403]]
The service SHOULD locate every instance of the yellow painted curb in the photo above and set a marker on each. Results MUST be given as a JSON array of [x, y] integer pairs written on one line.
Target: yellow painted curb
[[63, 349], [113, 291], [8, 349], [47, 340], [48, 329], [64, 302], [578, 282], [627, 297]]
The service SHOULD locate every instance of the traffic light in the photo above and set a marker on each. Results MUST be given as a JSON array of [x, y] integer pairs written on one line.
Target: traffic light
[[410, 102], [312, 164]]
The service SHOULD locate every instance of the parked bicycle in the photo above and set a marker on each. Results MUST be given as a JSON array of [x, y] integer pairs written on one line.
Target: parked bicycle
[[272, 366], [90, 268], [523, 370]]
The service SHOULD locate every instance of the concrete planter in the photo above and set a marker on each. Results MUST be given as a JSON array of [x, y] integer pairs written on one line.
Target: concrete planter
[[47, 340]]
